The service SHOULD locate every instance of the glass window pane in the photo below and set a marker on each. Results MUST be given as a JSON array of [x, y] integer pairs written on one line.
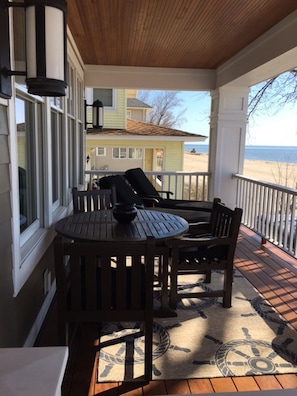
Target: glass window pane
[[56, 121], [135, 153], [27, 168], [100, 152], [104, 95]]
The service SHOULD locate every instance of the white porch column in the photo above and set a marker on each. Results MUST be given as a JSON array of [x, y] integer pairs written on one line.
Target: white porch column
[[228, 122]]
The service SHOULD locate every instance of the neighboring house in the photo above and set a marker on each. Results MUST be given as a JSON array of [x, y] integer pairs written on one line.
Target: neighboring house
[[138, 144], [151, 147], [137, 110]]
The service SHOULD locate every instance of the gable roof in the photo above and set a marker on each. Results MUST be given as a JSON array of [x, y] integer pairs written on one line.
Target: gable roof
[[141, 129], [134, 102]]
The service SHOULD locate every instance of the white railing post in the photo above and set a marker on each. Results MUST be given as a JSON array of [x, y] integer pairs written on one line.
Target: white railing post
[[270, 210]]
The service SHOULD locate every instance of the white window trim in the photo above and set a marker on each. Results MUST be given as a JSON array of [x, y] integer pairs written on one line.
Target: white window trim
[[119, 157], [104, 151], [26, 257], [135, 148]]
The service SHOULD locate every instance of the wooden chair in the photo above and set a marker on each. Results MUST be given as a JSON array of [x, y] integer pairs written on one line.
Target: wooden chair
[[212, 250], [106, 282], [89, 200]]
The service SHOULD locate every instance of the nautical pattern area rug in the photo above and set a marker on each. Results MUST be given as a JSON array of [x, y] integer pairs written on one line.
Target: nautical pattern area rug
[[204, 340]]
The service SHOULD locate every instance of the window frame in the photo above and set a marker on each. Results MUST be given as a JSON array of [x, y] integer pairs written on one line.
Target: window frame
[[97, 154], [120, 150]]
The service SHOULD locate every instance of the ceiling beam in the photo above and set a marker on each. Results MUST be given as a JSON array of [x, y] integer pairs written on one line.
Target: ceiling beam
[[149, 78], [270, 55]]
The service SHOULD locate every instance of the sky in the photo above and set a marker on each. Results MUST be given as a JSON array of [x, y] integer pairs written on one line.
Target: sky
[[278, 130]]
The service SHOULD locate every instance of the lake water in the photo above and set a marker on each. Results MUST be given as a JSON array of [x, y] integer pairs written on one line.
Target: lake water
[[262, 153]]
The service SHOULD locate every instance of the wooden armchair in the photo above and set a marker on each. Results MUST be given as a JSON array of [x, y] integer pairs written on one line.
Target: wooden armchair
[[89, 200], [106, 282], [202, 253]]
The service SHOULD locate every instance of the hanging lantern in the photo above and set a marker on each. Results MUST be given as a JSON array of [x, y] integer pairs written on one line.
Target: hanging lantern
[[46, 52]]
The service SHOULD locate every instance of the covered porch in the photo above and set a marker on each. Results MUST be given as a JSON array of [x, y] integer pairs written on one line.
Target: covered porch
[[271, 271], [223, 47]]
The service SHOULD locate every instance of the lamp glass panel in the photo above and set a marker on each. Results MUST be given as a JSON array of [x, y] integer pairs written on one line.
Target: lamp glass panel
[[31, 42], [54, 38], [98, 121]]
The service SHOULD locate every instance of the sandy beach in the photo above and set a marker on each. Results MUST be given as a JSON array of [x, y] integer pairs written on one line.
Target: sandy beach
[[273, 172]]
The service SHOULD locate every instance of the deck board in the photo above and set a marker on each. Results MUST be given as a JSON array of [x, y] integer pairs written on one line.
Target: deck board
[[271, 271]]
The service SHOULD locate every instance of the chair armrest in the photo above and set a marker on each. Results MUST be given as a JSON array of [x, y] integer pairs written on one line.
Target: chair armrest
[[150, 201], [203, 241], [167, 193], [202, 227]]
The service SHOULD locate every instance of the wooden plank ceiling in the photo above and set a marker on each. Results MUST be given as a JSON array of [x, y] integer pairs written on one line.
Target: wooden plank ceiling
[[170, 33]]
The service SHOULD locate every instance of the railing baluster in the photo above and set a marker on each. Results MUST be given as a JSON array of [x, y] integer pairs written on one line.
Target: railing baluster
[[269, 210], [184, 185]]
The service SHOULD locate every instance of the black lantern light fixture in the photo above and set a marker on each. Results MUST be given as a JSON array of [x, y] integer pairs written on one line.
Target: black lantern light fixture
[[45, 28], [97, 115]]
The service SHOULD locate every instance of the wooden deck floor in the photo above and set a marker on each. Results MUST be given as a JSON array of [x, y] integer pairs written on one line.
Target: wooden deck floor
[[270, 270]]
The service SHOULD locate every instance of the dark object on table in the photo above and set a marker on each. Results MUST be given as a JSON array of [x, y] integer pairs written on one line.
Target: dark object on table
[[124, 212], [200, 254]]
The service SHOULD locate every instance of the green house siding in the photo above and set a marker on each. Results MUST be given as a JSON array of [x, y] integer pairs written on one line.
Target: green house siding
[[173, 152], [116, 117]]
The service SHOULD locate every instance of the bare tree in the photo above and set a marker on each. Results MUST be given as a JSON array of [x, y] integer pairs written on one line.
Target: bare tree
[[272, 95], [164, 104]]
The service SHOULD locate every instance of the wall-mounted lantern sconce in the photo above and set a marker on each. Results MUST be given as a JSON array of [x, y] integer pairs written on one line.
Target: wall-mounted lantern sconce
[[45, 29], [97, 115]]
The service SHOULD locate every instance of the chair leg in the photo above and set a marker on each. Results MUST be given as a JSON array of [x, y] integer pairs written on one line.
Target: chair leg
[[164, 258], [207, 277], [173, 295], [148, 352], [228, 282]]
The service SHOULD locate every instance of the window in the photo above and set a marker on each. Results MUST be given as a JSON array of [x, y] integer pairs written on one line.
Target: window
[[100, 152], [135, 153], [124, 152], [46, 161], [71, 85], [119, 152], [27, 141], [56, 135], [105, 96]]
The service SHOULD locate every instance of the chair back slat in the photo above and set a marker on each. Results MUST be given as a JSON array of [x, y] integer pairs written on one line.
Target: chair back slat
[[90, 200]]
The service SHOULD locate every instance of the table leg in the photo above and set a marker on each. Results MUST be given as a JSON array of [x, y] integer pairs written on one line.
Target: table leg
[[164, 311]]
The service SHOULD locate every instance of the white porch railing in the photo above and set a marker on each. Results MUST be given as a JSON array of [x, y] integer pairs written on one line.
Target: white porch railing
[[269, 210], [183, 185]]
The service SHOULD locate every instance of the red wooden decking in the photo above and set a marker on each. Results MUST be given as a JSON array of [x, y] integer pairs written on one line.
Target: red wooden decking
[[270, 270]]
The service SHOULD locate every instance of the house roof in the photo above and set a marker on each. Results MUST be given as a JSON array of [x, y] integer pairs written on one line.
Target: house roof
[[142, 129], [134, 102], [194, 34]]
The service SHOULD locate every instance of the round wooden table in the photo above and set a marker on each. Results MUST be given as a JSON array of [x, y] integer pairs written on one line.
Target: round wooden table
[[101, 225]]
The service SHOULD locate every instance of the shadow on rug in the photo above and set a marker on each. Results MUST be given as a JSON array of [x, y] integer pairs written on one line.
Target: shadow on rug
[[205, 340]]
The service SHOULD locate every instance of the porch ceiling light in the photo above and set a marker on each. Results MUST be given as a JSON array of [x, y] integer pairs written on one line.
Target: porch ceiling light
[[97, 115], [45, 29]]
